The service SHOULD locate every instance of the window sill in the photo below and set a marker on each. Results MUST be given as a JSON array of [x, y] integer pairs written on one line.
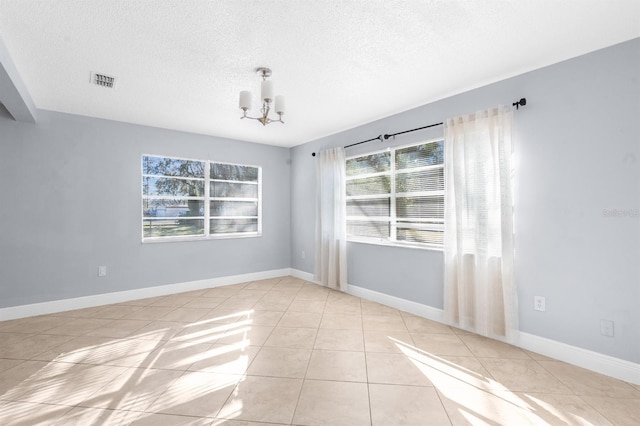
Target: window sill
[[156, 240], [401, 245]]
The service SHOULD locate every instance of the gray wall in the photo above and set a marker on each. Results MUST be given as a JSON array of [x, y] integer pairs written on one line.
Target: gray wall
[[577, 154], [70, 191]]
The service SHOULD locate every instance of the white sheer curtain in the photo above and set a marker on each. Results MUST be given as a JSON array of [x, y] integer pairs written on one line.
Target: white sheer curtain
[[479, 293], [331, 232]]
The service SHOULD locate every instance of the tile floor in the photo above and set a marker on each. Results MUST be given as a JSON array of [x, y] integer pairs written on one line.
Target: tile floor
[[284, 352]]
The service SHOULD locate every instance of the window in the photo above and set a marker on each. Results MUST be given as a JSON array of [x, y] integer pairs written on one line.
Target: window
[[187, 199], [397, 196]]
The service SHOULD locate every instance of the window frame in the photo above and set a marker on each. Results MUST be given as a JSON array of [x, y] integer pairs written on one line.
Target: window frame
[[207, 199], [392, 218]]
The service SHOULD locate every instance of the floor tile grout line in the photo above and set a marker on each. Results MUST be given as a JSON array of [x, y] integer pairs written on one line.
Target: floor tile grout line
[[444, 408], [366, 370], [599, 411]]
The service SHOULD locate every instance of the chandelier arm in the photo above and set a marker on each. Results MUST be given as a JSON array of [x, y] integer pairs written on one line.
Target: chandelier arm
[[264, 120]]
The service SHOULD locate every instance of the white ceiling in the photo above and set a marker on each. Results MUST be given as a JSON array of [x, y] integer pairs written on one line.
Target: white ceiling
[[180, 64]]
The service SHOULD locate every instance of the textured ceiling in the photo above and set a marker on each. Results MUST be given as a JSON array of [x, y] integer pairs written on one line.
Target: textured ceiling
[[180, 64]]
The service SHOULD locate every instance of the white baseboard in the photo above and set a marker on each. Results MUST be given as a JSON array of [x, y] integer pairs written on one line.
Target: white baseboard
[[395, 302], [415, 308], [304, 276], [594, 361], [54, 306]]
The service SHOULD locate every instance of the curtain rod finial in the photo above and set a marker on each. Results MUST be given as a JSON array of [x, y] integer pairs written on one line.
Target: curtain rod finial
[[521, 102]]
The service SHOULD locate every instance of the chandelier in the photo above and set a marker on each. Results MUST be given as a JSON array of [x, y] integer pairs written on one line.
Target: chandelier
[[267, 97]]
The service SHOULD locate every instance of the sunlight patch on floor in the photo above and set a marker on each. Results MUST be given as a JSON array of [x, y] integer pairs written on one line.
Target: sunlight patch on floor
[[481, 400]]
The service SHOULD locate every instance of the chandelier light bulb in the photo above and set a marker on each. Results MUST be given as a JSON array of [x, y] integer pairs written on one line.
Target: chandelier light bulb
[[245, 100], [280, 105], [267, 91]]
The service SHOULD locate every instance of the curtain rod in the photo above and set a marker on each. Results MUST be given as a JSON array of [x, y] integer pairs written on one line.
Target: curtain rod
[[518, 104]]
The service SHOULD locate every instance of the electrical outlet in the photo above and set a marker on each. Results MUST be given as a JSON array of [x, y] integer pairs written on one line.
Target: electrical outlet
[[303, 254], [102, 271], [539, 303], [606, 327]]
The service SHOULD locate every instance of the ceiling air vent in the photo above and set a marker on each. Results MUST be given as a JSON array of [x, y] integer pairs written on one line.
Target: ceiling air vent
[[103, 80]]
